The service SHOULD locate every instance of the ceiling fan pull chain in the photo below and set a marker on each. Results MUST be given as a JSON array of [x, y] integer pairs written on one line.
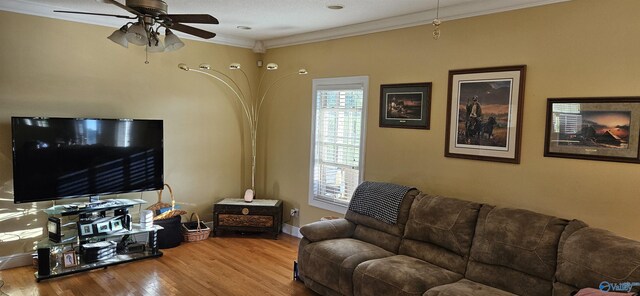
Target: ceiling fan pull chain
[[146, 55]]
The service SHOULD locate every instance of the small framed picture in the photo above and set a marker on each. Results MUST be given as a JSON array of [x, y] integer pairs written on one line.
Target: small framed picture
[[116, 225], [85, 229], [103, 227], [69, 259], [406, 105], [54, 229]]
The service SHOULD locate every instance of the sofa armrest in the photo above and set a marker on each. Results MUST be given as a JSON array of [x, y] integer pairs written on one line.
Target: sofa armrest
[[330, 229]]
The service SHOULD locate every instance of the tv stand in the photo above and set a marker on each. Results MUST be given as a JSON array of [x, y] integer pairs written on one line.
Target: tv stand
[[73, 253]]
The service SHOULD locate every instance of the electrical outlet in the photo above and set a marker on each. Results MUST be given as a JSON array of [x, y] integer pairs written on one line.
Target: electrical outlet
[[295, 212]]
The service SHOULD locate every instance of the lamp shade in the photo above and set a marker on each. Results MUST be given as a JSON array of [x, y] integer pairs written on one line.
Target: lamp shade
[[137, 34], [272, 66], [118, 36], [171, 41]]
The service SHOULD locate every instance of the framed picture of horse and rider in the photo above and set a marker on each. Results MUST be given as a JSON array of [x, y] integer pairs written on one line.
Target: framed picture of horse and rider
[[484, 113]]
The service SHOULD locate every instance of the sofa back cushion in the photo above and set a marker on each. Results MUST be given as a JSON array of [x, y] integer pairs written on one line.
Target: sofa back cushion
[[386, 236], [589, 257], [515, 250], [440, 230]]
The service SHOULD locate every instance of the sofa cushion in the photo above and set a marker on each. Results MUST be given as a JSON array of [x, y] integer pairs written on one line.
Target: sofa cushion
[[330, 263], [466, 288], [515, 250], [589, 257], [399, 275], [440, 230], [379, 233]]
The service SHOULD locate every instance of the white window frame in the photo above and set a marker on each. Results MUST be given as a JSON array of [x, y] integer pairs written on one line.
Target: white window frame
[[337, 83]]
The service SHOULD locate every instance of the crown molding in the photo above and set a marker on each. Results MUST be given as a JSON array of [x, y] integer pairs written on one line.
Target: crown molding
[[476, 8], [469, 9], [44, 10]]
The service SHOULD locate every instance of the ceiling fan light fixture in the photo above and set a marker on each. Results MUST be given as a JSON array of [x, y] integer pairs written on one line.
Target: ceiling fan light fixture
[[137, 34], [144, 20], [119, 37], [171, 41]]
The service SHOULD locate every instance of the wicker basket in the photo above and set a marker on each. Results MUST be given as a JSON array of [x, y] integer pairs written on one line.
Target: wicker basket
[[195, 231], [161, 205]]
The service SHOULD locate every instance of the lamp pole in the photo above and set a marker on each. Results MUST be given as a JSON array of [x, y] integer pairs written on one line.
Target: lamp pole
[[250, 108]]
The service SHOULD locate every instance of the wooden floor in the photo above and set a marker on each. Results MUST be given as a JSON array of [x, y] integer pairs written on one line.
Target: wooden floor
[[216, 266]]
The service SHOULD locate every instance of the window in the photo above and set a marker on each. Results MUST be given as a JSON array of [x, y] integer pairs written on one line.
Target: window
[[337, 140]]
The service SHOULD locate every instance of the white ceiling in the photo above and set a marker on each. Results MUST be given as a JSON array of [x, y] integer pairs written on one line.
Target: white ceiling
[[286, 22]]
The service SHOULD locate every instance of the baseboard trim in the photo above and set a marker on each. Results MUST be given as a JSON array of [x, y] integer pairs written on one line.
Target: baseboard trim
[[291, 230], [17, 260]]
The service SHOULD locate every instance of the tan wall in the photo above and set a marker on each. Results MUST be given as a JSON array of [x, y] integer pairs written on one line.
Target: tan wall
[[579, 48], [58, 68]]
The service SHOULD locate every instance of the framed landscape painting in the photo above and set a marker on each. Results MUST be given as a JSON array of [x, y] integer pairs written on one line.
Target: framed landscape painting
[[484, 113], [405, 105], [593, 128]]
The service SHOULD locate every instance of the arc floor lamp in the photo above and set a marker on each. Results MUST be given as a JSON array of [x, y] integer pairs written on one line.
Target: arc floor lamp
[[250, 107]]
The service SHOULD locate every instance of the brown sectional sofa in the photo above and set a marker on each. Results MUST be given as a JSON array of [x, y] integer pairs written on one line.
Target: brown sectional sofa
[[450, 247]]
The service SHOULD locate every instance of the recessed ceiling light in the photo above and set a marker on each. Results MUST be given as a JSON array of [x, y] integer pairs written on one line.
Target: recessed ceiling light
[[335, 6], [243, 28]]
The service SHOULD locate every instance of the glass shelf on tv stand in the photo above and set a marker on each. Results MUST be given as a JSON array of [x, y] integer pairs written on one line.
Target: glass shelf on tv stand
[[102, 205], [72, 236]]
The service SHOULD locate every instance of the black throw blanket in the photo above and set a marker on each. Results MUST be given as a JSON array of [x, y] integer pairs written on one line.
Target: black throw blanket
[[380, 201]]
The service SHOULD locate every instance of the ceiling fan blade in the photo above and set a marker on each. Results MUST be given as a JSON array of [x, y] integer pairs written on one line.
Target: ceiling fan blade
[[192, 18], [192, 31], [127, 8], [92, 13]]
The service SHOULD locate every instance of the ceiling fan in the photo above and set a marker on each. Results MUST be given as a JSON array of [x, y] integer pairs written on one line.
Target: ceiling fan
[[150, 16]]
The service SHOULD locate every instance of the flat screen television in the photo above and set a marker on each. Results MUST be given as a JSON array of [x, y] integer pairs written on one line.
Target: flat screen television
[[56, 158]]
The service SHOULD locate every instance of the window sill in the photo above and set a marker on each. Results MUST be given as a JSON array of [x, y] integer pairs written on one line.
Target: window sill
[[330, 206]]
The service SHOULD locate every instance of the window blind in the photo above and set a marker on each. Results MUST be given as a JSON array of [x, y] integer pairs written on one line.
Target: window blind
[[337, 143]]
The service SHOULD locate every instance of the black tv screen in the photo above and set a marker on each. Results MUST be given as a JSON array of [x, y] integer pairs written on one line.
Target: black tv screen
[[56, 158]]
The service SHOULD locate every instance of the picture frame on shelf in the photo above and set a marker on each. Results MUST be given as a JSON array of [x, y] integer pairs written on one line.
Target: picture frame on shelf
[[85, 230], [595, 128], [69, 259], [116, 224], [54, 229], [484, 113], [405, 105], [103, 227]]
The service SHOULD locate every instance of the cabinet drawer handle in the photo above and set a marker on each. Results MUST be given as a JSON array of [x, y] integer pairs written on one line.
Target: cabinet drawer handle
[[245, 211]]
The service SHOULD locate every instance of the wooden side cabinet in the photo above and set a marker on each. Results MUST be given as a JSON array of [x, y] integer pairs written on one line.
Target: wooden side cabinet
[[261, 215]]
